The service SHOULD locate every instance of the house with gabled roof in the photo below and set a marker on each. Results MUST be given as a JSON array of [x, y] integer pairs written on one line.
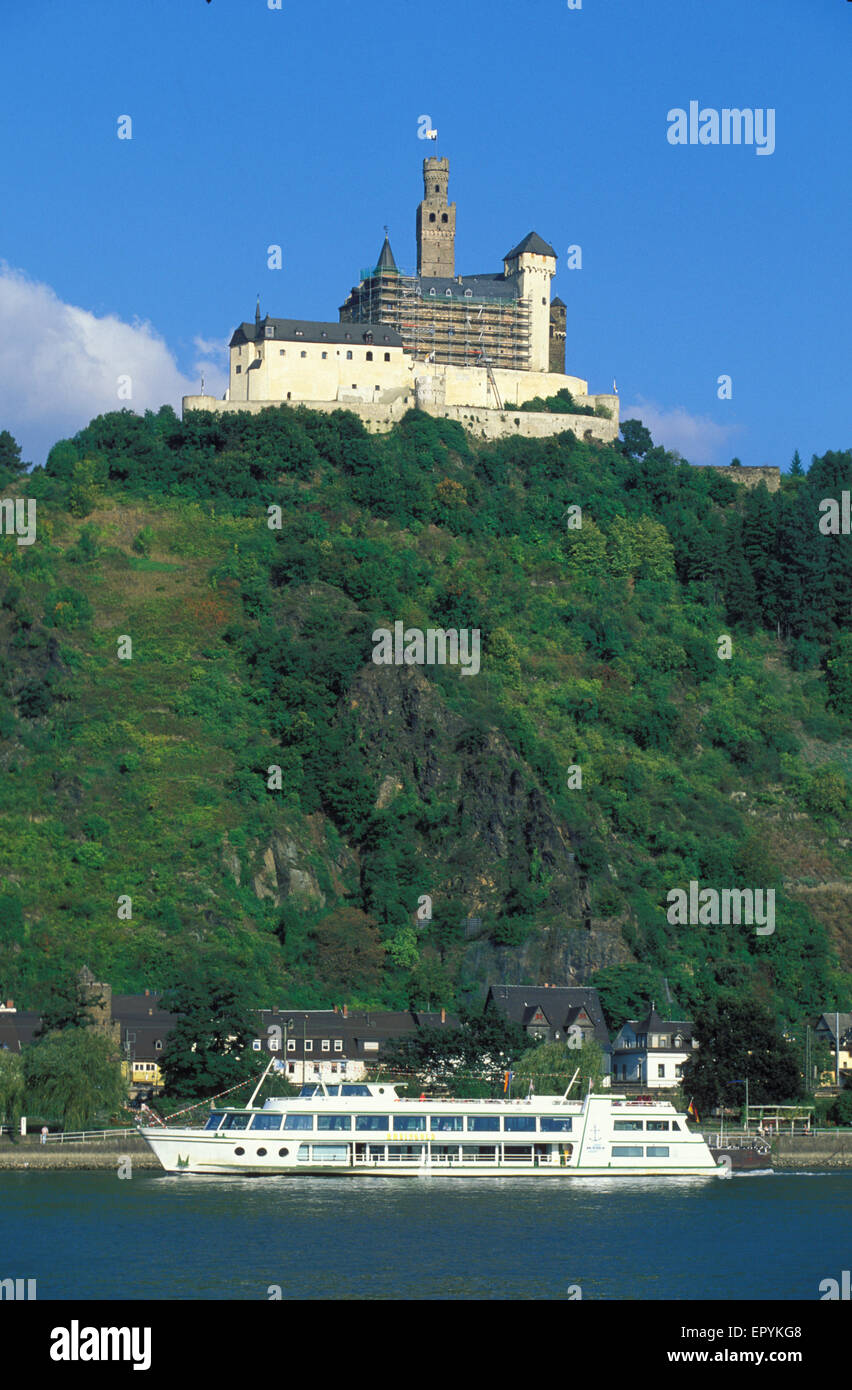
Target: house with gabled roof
[[652, 1050]]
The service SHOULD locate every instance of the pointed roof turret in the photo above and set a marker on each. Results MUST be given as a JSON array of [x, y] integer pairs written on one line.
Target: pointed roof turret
[[533, 243], [386, 260]]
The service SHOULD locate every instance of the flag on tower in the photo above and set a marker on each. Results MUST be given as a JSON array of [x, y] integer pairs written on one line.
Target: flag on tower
[[431, 135]]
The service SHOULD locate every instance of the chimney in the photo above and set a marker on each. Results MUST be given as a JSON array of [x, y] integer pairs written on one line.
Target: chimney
[[443, 1015], [345, 1010]]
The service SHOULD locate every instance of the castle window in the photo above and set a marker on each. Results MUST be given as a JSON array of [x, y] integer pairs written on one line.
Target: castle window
[[282, 352], [349, 356], [431, 217], [324, 356], [437, 188], [449, 294], [368, 337], [387, 357], [239, 369], [543, 300], [432, 291], [369, 357], [444, 217], [269, 331], [468, 294], [303, 353]]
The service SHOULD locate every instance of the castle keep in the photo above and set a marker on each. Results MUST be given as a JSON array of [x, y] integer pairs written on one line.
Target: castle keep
[[465, 347]]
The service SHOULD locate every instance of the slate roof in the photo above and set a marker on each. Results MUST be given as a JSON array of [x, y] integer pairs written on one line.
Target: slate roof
[[558, 1003], [533, 243], [825, 1023], [561, 302], [386, 260], [315, 331], [354, 1028], [488, 286], [653, 1022], [17, 1028]]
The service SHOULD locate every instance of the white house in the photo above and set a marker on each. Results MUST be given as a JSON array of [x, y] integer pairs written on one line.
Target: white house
[[652, 1051]]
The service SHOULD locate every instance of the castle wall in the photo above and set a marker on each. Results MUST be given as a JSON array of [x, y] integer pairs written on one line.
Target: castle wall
[[482, 423], [312, 371]]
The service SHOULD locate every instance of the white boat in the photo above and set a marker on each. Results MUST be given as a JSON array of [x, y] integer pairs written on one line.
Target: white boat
[[364, 1128]]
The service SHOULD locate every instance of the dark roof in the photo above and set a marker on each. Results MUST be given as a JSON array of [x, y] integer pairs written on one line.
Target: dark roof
[[825, 1023], [532, 242], [560, 302], [558, 1003], [315, 331], [354, 1028], [17, 1028], [140, 1008], [386, 260], [653, 1022], [480, 286]]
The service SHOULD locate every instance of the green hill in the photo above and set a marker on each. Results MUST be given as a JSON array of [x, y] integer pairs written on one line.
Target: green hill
[[149, 778]]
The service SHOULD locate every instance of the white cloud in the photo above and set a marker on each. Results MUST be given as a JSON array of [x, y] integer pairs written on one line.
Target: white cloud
[[60, 365], [697, 438]]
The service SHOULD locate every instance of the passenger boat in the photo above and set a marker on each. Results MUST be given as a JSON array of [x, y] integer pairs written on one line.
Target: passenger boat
[[364, 1128]]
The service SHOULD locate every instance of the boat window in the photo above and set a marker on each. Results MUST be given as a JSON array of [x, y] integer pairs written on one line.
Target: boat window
[[372, 1122], [299, 1122], [447, 1122], [657, 1151], [308, 1091], [657, 1124], [626, 1124], [556, 1124], [675, 1124], [514, 1124], [478, 1123], [269, 1120], [355, 1090], [409, 1121], [235, 1121], [214, 1120], [334, 1121], [627, 1150]]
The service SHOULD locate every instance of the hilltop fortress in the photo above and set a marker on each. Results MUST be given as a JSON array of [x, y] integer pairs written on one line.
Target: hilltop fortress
[[470, 348]]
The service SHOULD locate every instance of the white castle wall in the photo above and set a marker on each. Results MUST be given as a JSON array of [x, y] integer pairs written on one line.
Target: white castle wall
[[481, 422]]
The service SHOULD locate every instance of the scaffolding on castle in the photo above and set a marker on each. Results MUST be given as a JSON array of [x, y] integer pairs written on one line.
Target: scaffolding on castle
[[467, 332]]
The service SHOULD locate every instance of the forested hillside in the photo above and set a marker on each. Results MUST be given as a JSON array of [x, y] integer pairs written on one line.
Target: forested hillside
[[604, 754]]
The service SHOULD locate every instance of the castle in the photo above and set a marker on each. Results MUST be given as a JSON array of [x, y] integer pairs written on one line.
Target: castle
[[463, 347]]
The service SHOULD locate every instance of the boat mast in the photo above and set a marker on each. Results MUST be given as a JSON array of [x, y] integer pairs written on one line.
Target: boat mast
[[259, 1084]]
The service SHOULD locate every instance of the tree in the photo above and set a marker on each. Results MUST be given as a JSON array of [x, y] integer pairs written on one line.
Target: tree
[[206, 1050], [68, 1006], [796, 469], [636, 439], [624, 992], [738, 1039], [11, 1087], [11, 466], [74, 1077], [551, 1066]]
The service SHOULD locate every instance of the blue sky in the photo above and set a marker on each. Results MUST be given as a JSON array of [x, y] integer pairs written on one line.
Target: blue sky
[[254, 126]]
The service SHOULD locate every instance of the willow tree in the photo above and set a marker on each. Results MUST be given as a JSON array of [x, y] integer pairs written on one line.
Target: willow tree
[[11, 1088], [74, 1077]]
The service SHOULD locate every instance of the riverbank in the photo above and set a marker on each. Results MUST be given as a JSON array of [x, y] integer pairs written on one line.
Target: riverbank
[[94, 1156]]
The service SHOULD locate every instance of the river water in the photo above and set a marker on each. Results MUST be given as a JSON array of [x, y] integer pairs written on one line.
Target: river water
[[155, 1236]]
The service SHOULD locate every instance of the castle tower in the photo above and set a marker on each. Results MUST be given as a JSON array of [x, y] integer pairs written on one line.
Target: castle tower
[[436, 222], [558, 334], [532, 266]]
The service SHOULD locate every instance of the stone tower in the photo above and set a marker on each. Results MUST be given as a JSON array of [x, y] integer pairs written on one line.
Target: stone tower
[[436, 222], [532, 265], [558, 334]]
